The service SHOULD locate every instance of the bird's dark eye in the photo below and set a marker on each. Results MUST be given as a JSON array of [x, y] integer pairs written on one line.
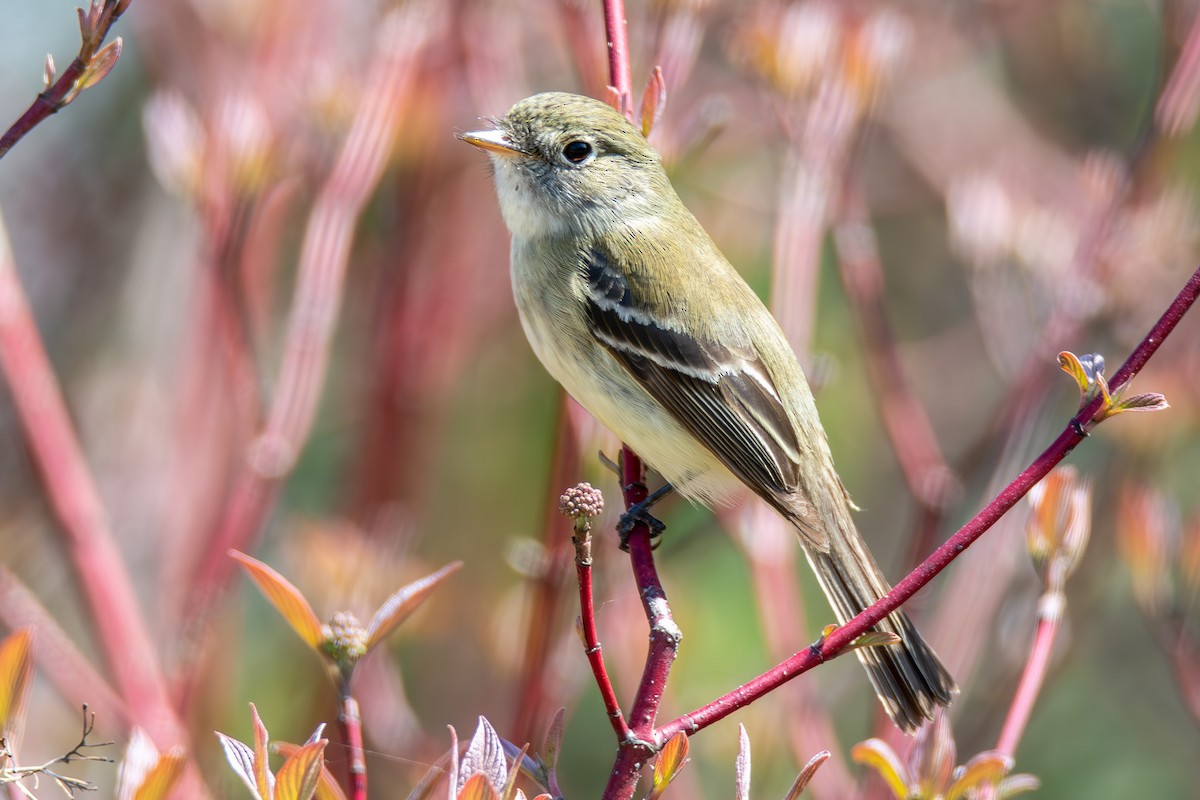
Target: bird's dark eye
[[577, 151]]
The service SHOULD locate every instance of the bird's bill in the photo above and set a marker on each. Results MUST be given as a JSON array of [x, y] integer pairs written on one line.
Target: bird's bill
[[493, 141]]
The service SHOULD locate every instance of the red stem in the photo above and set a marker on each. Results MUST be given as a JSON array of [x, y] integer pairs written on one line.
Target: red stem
[[350, 722], [592, 647], [616, 35], [1035, 671], [664, 641], [664, 633], [831, 647], [54, 98]]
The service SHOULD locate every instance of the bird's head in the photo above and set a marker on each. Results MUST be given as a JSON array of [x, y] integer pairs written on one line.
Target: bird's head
[[569, 165]]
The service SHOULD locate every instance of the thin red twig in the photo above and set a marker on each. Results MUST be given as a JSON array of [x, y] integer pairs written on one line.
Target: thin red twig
[[1031, 679], [664, 641], [350, 722], [591, 639], [60, 92], [832, 646], [617, 38], [664, 633]]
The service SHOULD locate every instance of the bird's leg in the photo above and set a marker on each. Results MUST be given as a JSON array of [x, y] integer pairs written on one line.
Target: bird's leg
[[609, 464], [640, 512]]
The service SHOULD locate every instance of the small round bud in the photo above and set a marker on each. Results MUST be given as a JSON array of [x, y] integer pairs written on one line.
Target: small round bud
[[581, 500], [345, 639]]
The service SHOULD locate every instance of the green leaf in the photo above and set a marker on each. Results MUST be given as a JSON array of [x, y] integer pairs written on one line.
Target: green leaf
[[874, 639], [1150, 401]]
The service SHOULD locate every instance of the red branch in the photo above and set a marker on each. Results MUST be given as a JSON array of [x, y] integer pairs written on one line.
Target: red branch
[[833, 646], [591, 639], [664, 640], [619, 72], [61, 91], [350, 721], [1031, 678]]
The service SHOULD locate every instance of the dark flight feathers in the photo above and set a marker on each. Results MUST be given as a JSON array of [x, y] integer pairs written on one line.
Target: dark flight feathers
[[722, 394]]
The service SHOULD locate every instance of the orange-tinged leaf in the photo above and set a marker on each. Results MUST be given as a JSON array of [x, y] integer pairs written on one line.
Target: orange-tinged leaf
[[1070, 364], [986, 768], [16, 668], [654, 100], [139, 758], [299, 775], [286, 598], [876, 754], [101, 64], [397, 607], [671, 758], [328, 787], [162, 777], [263, 778], [612, 96], [806, 775], [478, 787]]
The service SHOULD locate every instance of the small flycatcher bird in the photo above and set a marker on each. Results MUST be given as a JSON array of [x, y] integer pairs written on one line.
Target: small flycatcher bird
[[633, 309]]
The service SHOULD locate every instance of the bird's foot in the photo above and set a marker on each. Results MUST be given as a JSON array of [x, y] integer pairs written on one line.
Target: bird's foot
[[640, 513]]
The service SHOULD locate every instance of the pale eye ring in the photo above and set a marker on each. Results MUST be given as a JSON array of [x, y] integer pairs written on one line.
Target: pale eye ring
[[577, 151]]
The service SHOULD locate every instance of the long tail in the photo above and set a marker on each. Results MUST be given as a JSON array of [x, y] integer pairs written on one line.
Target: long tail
[[908, 677]]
